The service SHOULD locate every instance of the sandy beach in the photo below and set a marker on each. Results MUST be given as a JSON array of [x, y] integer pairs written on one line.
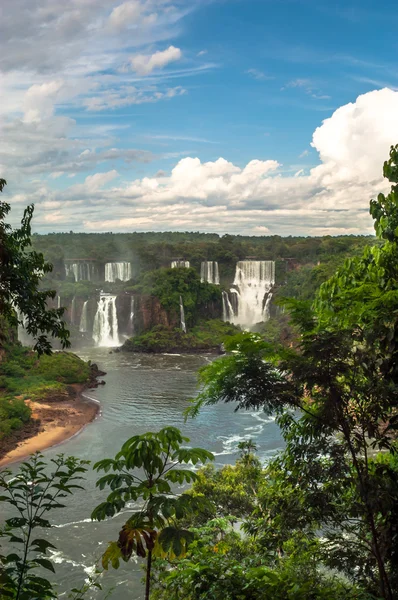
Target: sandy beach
[[54, 422]]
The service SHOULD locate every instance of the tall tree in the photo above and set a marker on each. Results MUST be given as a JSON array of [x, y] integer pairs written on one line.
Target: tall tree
[[145, 469], [22, 301]]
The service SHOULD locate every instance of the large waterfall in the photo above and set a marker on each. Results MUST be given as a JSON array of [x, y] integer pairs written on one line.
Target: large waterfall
[[252, 292], [105, 329], [182, 316], [117, 270], [180, 263], [83, 319], [209, 272], [81, 271]]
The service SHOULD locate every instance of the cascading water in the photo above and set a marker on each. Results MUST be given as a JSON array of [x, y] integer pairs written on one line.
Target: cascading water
[[73, 311], [209, 272], [117, 270], [83, 319], [58, 301], [175, 264], [105, 329], [23, 335], [81, 271], [182, 316], [267, 307], [254, 280], [227, 310], [132, 316]]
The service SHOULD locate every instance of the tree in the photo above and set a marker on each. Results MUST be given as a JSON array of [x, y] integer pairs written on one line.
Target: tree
[[21, 271], [146, 468], [223, 564], [343, 378], [32, 493]]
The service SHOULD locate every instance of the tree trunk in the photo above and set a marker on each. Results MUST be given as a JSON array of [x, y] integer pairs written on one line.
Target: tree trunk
[[148, 575]]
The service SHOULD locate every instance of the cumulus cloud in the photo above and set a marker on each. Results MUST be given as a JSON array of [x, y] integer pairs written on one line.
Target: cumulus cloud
[[253, 199], [126, 14], [143, 64]]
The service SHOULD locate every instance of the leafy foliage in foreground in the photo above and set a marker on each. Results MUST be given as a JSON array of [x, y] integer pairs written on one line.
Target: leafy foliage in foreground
[[146, 469], [242, 557], [33, 493]]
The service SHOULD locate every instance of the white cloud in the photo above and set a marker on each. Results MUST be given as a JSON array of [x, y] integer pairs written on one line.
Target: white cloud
[[143, 64], [39, 100], [125, 14], [221, 196], [257, 74]]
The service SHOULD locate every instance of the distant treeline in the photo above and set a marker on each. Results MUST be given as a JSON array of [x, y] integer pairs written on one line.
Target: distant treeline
[[152, 250]]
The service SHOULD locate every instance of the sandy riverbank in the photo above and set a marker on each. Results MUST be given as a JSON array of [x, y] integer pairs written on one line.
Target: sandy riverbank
[[54, 422]]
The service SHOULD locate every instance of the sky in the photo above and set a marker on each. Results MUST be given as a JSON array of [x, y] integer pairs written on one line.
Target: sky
[[252, 117]]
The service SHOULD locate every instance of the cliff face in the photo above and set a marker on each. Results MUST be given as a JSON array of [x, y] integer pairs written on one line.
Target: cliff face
[[149, 313]]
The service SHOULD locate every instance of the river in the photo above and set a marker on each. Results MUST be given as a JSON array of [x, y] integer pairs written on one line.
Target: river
[[142, 393]]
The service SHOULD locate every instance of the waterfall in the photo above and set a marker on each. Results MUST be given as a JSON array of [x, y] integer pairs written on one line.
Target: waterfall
[[81, 271], [58, 301], [105, 329], [175, 264], [23, 335], [182, 316], [267, 307], [132, 316], [254, 280], [227, 309], [209, 272], [83, 319], [117, 270], [73, 311]]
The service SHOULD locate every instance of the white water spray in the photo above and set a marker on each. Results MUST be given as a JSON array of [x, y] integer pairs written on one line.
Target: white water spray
[[105, 329]]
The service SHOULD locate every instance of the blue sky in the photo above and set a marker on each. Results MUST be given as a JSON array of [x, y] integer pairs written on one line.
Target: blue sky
[[200, 115]]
